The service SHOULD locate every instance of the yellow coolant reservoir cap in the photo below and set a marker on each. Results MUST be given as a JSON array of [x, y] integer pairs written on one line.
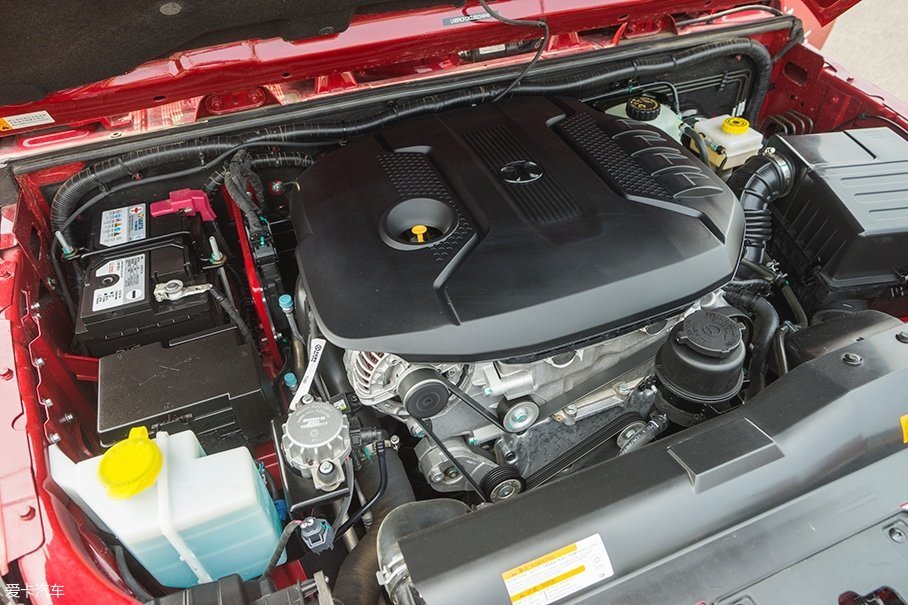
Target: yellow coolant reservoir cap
[[735, 125], [130, 466]]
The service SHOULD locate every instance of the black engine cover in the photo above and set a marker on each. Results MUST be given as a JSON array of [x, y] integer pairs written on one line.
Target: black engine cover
[[546, 224]]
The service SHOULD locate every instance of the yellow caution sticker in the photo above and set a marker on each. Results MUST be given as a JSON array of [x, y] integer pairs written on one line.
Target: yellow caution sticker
[[560, 573], [25, 120], [904, 421]]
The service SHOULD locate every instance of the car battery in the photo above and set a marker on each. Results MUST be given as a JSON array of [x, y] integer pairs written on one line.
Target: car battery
[[130, 250], [118, 309], [207, 382], [183, 214]]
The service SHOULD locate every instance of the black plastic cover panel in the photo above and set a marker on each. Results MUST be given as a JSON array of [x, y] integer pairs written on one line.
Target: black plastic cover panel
[[846, 218], [546, 224]]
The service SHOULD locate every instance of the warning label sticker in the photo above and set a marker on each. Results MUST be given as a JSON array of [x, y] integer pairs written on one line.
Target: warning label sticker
[[122, 282], [24, 120], [122, 225], [559, 574]]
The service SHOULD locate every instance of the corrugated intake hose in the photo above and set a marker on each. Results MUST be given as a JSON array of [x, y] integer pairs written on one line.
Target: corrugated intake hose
[[766, 323], [104, 173], [757, 183], [356, 583]]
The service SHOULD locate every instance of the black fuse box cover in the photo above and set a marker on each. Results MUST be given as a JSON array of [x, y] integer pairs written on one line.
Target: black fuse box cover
[[118, 309], [209, 383], [844, 225], [540, 224]]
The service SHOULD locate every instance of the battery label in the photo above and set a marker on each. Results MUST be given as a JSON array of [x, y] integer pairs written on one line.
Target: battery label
[[122, 225], [122, 282], [559, 574]]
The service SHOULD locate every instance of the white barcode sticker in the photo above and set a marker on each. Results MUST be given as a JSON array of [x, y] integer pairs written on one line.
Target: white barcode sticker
[[122, 282], [122, 225], [560, 573], [24, 120], [316, 348]]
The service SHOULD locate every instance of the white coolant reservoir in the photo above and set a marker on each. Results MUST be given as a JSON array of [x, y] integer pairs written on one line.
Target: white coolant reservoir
[[187, 518], [650, 111], [729, 137]]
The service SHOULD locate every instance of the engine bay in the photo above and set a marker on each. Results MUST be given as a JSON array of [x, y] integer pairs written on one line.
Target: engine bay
[[371, 327]]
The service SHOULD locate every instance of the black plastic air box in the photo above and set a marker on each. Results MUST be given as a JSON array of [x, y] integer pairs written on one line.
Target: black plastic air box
[[843, 229]]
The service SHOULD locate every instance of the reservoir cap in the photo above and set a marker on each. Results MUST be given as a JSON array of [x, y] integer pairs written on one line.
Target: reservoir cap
[[642, 108], [130, 466]]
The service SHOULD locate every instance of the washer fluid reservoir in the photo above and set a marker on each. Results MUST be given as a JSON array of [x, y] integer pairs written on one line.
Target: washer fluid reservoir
[[186, 517]]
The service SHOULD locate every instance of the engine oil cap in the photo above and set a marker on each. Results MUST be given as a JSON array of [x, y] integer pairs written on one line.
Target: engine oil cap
[[131, 466], [710, 333]]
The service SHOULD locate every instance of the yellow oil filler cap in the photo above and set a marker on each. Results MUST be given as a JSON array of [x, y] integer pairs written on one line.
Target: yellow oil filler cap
[[420, 232], [735, 125], [130, 466]]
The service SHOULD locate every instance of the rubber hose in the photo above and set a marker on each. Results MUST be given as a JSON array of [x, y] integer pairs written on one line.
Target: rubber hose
[[103, 173], [780, 352], [233, 314], [656, 425], [259, 161], [702, 149], [658, 66], [356, 581], [766, 323], [757, 183]]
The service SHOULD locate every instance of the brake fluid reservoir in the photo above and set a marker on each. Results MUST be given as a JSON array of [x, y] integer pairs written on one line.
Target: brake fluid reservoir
[[649, 110], [729, 137], [187, 518]]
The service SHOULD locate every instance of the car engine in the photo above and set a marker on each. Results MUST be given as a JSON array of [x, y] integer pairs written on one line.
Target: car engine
[[487, 247]]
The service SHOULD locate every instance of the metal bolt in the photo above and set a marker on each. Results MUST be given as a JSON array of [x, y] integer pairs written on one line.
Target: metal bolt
[[54, 437], [510, 457], [897, 535], [520, 416], [326, 467], [35, 306], [277, 187], [624, 389], [452, 473], [48, 402], [902, 337], [39, 362], [394, 440], [170, 9], [417, 432], [488, 391], [852, 359], [67, 417], [436, 477], [505, 491], [473, 441], [570, 410]]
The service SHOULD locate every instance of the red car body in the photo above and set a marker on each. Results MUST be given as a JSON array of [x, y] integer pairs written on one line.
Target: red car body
[[42, 534]]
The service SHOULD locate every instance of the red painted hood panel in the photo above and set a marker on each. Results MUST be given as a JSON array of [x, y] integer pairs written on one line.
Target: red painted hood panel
[[88, 65]]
